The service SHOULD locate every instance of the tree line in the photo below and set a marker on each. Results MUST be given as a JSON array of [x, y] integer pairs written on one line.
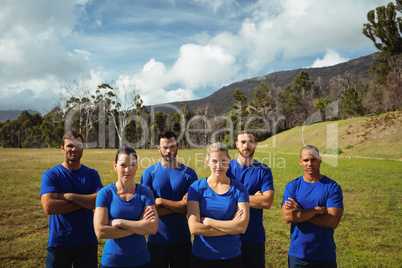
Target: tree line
[[115, 114]]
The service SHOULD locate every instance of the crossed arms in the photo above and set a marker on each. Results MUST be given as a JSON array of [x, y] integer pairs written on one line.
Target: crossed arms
[[166, 206], [320, 216], [63, 203], [210, 227], [118, 228]]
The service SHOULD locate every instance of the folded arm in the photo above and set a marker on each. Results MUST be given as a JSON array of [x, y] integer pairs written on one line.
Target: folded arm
[[165, 206], [238, 225], [293, 213], [146, 225], [262, 200], [330, 219], [63, 203], [103, 229], [195, 223]]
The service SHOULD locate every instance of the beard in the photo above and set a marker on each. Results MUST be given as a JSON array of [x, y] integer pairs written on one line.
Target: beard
[[248, 154], [169, 158]]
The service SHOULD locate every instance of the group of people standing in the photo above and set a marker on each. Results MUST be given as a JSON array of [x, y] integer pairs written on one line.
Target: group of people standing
[[224, 211]]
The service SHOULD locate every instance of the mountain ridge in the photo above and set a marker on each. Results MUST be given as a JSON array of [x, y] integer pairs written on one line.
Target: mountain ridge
[[221, 101]]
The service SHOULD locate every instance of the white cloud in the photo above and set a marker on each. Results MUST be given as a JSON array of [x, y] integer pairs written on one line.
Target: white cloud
[[174, 54], [216, 4], [35, 64], [330, 58]]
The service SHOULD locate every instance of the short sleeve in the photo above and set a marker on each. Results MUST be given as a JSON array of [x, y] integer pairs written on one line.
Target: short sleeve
[[148, 197], [335, 198], [102, 199], [193, 193], [288, 193], [267, 180], [146, 178], [48, 184], [97, 184], [243, 193]]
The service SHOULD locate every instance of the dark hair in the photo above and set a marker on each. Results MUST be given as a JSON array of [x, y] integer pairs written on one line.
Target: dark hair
[[166, 135], [246, 131], [126, 150], [312, 148], [71, 135]]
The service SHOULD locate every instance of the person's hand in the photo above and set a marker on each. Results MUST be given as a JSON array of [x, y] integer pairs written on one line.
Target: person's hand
[[204, 220], [185, 197], [238, 214], [148, 214], [258, 193], [64, 196], [158, 201], [292, 204], [321, 210], [114, 222]]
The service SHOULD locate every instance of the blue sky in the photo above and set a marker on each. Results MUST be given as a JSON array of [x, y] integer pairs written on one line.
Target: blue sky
[[171, 50]]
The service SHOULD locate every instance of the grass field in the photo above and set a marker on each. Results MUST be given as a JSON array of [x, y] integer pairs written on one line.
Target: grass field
[[368, 235]]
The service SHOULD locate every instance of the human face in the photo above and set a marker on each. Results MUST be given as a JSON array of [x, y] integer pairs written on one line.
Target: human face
[[246, 145], [168, 149], [72, 149], [310, 163], [126, 167], [218, 162]]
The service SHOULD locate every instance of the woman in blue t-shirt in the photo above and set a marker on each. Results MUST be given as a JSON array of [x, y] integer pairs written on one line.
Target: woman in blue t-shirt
[[218, 211], [125, 212]]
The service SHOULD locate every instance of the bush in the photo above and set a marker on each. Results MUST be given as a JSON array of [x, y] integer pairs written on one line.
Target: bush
[[333, 151]]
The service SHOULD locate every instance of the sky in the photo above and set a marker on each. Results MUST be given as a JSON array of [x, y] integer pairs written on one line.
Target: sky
[[172, 50]]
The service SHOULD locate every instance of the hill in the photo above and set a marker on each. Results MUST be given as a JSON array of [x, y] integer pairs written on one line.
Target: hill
[[221, 101], [364, 137], [13, 114]]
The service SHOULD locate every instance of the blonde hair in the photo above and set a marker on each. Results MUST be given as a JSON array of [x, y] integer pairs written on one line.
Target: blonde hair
[[217, 147]]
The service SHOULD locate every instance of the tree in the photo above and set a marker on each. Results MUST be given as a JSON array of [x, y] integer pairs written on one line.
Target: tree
[[296, 99], [240, 111], [262, 103], [385, 30]]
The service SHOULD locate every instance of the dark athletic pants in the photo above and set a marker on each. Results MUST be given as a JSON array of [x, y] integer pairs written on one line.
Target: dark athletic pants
[[177, 255], [83, 256], [253, 255]]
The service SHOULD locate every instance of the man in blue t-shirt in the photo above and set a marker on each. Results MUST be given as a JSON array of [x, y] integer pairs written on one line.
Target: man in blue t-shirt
[[169, 181], [68, 193], [313, 204], [257, 177]]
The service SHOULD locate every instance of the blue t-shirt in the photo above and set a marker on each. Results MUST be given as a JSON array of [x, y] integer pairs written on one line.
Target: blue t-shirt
[[307, 240], [256, 177], [171, 184], [75, 228], [219, 207], [130, 250]]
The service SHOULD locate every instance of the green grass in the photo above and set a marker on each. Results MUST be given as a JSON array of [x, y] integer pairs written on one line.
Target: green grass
[[374, 137], [368, 235]]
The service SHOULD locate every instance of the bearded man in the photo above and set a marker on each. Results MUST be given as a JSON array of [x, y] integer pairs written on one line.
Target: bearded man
[[169, 181], [257, 177]]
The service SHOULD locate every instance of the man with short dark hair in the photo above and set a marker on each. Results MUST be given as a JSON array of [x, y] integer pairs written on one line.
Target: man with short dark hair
[[169, 180], [68, 194], [257, 177], [313, 204]]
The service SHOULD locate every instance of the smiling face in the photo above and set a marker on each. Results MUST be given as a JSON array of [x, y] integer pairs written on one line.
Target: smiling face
[[246, 145], [310, 162], [168, 148], [218, 162], [126, 166], [72, 149]]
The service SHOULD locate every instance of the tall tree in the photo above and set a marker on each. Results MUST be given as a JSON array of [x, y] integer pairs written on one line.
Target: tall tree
[[384, 28]]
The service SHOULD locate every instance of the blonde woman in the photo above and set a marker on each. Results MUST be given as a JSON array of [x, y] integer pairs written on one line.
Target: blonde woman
[[218, 211], [125, 212]]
